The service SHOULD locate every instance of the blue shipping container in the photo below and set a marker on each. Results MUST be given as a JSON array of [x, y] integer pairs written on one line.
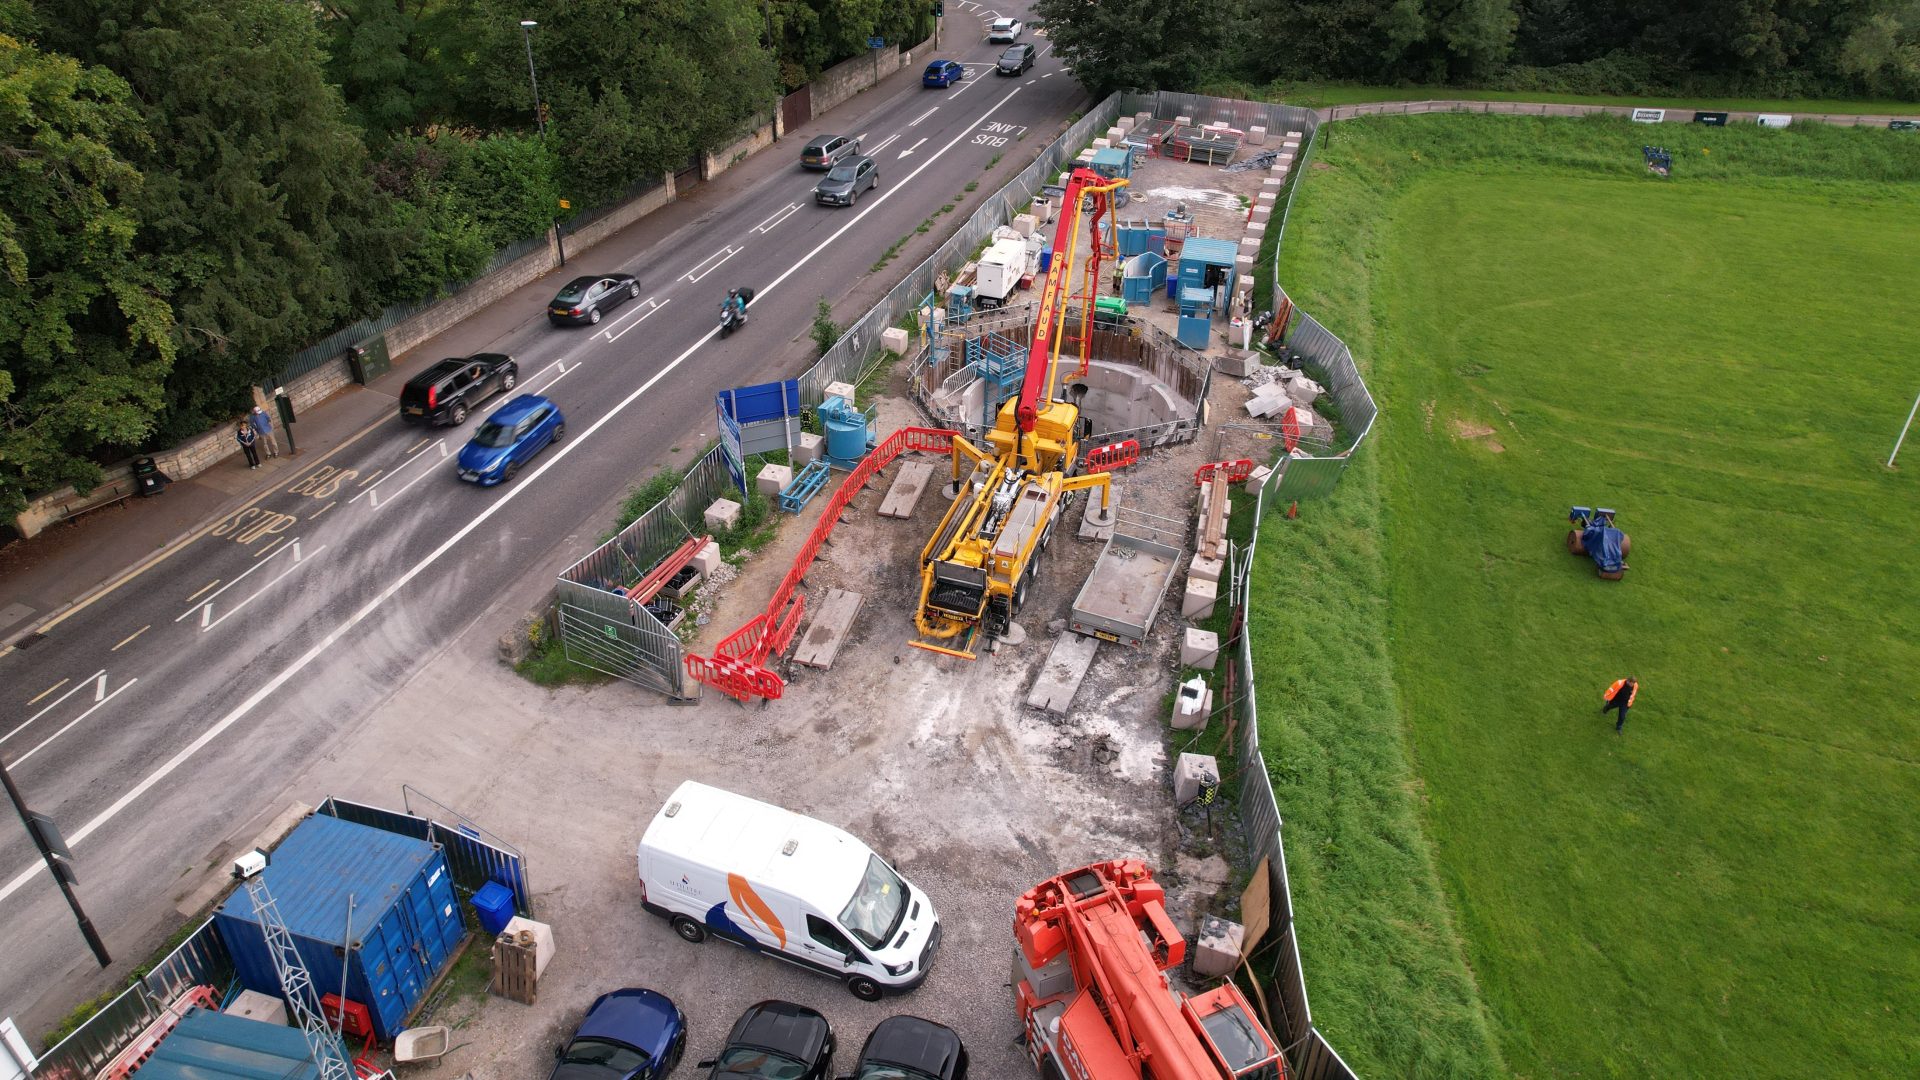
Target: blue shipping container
[[213, 1046], [406, 919]]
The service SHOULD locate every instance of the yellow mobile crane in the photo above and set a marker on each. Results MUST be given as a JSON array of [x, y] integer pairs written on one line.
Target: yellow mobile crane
[[976, 568]]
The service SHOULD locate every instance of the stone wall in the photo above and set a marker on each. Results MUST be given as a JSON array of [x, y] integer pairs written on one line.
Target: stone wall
[[719, 161], [849, 77]]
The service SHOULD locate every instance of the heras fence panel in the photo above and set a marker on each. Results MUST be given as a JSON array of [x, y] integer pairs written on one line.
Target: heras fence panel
[[100, 1039], [474, 856], [1317, 1060], [201, 960], [620, 637]]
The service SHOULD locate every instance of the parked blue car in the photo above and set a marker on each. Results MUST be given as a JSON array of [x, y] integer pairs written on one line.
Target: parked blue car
[[511, 436], [942, 74], [629, 1034]]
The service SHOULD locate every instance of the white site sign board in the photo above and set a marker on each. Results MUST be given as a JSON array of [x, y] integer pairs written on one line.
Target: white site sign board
[[1649, 116]]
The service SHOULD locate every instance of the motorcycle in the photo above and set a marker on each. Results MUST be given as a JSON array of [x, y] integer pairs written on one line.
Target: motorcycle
[[734, 316]]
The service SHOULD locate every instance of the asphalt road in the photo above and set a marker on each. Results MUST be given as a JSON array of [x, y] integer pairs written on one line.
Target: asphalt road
[[154, 720]]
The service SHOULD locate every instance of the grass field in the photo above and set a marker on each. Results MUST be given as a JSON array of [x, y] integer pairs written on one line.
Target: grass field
[[1488, 881], [1317, 95]]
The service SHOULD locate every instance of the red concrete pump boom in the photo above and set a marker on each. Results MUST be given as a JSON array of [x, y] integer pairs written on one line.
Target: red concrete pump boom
[[1094, 949], [1033, 391]]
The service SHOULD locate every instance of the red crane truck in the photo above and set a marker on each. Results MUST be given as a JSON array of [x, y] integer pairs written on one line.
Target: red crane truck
[[1090, 977]]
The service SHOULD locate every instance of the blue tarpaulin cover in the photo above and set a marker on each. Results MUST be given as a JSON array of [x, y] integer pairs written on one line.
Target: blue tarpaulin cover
[[213, 1046], [1603, 545]]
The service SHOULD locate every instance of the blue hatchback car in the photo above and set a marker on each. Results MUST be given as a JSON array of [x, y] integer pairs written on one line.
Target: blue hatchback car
[[511, 436], [629, 1034], [942, 74]]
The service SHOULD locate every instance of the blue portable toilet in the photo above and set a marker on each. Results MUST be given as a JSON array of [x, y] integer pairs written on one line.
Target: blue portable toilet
[[406, 918], [1206, 263]]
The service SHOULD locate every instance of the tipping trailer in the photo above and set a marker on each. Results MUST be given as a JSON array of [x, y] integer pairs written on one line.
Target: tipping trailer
[[1123, 593]]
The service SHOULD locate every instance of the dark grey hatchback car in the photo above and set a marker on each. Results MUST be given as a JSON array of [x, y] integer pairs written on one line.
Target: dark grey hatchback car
[[1016, 60], [843, 185]]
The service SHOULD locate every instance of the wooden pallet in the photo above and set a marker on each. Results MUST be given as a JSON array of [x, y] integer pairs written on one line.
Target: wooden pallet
[[514, 974]]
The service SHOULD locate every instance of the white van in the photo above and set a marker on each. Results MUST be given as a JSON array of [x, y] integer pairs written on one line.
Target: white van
[[786, 885]]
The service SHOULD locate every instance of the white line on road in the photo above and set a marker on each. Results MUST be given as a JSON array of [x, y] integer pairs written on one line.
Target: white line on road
[[1048, 75], [912, 148], [298, 562], [99, 701], [374, 503], [915, 122], [208, 602], [56, 701], [773, 222], [711, 263], [624, 330], [372, 494], [272, 686], [130, 637], [884, 143]]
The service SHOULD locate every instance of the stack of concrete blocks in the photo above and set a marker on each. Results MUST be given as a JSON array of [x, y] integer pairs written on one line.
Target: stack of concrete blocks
[[895, 340], [1193, 705], [723, 515], [1216, 947], [1191, 772], [773, 479], [1199, 649]]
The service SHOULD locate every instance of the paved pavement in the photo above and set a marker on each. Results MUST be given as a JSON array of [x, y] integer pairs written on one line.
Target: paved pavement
[[269, 613]]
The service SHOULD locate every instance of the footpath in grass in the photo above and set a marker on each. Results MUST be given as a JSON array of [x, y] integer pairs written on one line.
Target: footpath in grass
[[1728, 889], [1321, 95]]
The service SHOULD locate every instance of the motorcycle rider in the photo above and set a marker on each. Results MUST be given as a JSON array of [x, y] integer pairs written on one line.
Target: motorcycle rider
[[735, 305]]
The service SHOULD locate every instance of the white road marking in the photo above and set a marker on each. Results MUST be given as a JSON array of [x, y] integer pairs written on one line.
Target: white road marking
[[374, 502], [643, 309], [912, 148], [207, 604], [372, 494], [1048, 75], [915, 122], [130, 637], [195, 596], [101, 674], [710, 263], [773, 222], [622, 333], [99, 701], [884, 143], [272, 686], [56, 686], [298, 562], [277, 541]]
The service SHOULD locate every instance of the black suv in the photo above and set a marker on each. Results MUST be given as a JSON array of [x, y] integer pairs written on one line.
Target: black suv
[[444, 393], [1016, 60]]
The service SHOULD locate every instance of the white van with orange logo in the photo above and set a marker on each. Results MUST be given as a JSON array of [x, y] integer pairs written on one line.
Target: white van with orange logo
[[772, 881]]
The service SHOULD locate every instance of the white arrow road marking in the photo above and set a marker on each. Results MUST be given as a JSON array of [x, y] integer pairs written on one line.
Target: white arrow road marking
[[710, 263], [912, 148], [272, 686]]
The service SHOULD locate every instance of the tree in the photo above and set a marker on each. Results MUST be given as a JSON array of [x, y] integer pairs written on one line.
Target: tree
[[1139, 44], [398, 63], [258, 212], [85, 333]]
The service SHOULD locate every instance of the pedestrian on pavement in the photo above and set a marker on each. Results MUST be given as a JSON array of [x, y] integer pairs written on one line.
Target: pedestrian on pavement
[[243, 433], [263, 429], [1620, 696]]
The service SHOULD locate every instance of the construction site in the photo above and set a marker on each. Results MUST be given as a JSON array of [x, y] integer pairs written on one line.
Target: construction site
[[991, 635]]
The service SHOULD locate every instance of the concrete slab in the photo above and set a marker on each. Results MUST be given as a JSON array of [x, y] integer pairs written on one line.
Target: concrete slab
[[1059, 678], [1093, 524], [904, 493], [828, 629]]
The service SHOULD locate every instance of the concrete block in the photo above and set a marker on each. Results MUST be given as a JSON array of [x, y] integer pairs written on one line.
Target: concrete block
[[1256, 136], [809, 449], [1206, 569], [1192, 705], [1142, 119], [1024, 224], [1257, 480], [1257, 228], [1243, 264], [1238, 363], [1271, 184], [895, 340], [840, 390], [1216, 947], [1126, 124], [1262, 405], [1102, 144], [1261, 213], [724, 514], [1291, 144], [1197, 602], [1192, 772], [1183, 121], [1249, 245], [1206, 504], [1115, 135], [1295, 135], [707, 559], [1199, 648], [773, 479]]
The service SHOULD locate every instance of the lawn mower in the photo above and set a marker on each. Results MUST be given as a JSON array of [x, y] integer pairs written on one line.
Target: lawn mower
[[1594, 536]]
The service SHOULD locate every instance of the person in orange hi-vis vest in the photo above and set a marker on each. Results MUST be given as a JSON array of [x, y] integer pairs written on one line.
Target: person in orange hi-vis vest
[[1620, 696]]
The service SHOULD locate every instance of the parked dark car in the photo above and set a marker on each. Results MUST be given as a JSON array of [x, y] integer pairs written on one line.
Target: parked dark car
[[585, 299], [445, 392], [511, 436], [909, 1048], [942, 73], [1016, 60], [847, 180], [776, 1040], [826, 151], [629, 1034]]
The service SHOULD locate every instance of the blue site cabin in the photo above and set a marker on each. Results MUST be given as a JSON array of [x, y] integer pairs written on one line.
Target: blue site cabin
[[407, 920], [207, 1045], [1206, 263]]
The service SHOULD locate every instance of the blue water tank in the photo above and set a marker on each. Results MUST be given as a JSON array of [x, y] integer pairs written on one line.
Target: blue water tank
[[846, 431], [406, 919]]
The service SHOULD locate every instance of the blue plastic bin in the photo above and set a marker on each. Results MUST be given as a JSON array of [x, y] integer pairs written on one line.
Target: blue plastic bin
[[1046, 259], [493, 906]]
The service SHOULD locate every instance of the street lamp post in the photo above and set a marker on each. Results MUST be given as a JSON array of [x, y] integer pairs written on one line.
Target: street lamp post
[[540, 120]]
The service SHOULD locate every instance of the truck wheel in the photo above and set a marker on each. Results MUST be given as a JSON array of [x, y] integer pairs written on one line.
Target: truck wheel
[[1574, 546], [1020, 590], [690, 932], [864, 988]]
